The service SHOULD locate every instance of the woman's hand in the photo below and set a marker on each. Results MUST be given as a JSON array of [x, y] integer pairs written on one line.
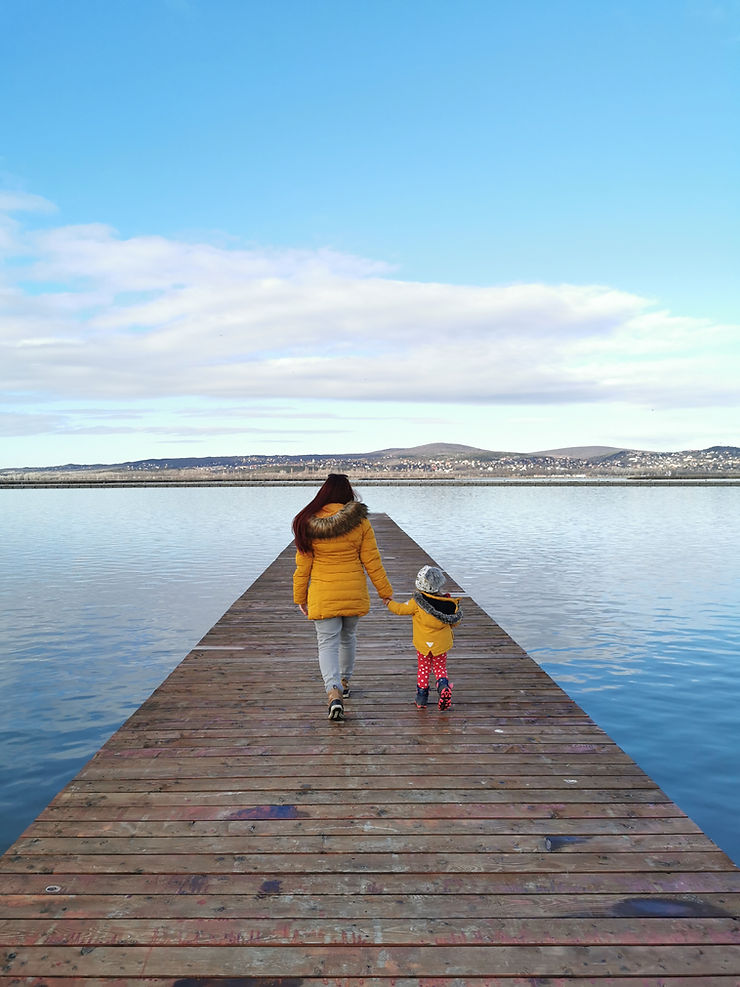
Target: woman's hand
[[303, 608], [386, 599]]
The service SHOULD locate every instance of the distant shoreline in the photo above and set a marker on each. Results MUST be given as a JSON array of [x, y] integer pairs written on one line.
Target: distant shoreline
[[68, 484], [434, 464]]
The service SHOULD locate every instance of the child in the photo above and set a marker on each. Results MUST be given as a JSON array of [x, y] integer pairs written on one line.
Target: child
[[434, 617]]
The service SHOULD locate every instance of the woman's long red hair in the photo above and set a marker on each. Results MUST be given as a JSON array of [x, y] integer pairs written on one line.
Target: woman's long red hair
[[336, 490]]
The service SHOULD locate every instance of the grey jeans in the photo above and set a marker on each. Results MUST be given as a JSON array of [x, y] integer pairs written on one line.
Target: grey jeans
[[337, 639]]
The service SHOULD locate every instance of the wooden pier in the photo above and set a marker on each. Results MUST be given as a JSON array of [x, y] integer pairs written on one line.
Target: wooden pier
[[229, 833]]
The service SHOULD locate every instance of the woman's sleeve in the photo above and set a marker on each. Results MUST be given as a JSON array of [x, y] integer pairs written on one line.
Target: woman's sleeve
[[370, 558], [402, 609], [301, 576]]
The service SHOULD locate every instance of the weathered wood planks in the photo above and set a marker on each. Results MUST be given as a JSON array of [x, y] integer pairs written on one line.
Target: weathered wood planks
[[229, 833]]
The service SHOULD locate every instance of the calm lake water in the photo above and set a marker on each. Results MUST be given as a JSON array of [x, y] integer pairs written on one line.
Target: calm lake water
[[627, 596]]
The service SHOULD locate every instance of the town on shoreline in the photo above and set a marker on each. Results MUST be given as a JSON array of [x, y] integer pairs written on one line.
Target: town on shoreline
[[431, 464]]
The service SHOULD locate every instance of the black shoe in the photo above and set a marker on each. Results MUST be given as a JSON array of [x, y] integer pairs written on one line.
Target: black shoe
[[445, 693], [422, 697], [345, 688]]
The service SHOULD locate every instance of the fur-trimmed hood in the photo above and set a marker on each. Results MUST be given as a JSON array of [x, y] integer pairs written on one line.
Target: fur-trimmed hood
[[444, 608], [342, 519]]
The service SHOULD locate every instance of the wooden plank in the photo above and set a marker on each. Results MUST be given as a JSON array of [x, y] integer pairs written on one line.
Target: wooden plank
[[473, 770], [250, 931], [642, 883], [478, 769], [356, 960], [229, 832], [338, 864], [669, 907], [448, 847], [365, 981], [354, 828], [82, 809], [322, 981]]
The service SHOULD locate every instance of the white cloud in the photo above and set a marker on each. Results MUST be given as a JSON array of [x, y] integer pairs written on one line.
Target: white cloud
[[12, 201], [16, 201], [92, 314]]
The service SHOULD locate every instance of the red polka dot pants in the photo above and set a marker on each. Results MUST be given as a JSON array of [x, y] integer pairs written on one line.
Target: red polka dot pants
[[426, 664]]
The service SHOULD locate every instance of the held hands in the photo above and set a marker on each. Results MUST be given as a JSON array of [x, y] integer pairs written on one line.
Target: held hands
[[303, 608], [386, 599]]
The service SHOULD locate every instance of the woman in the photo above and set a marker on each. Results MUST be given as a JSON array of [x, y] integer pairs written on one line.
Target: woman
[[335, 546]]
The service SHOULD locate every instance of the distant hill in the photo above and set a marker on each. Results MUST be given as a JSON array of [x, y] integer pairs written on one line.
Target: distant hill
[[452, 450], [714, 456], [436, 450], [432, 459], [582, 452], [430, 451]]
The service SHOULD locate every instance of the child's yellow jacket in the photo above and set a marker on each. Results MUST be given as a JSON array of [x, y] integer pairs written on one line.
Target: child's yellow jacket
[[434, 617]]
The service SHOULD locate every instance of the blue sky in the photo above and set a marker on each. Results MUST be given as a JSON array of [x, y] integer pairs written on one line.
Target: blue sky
[[231, 227]]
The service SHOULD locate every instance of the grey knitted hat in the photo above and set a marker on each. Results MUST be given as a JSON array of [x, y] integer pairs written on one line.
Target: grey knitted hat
[[430, 579]]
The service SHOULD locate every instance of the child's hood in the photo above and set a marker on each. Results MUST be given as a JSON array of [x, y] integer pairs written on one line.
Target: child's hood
[[444, 608]]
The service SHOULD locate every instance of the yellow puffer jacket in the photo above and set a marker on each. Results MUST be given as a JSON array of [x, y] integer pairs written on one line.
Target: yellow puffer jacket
[[434, 617], [331, 578]]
